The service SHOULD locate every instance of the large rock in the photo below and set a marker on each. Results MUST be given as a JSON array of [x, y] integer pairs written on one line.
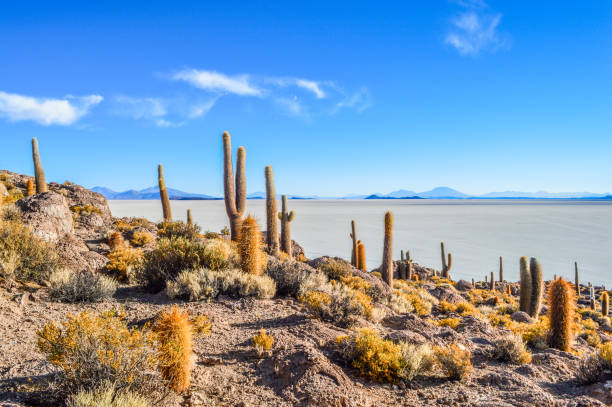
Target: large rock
[[75, 255], [48, 215]]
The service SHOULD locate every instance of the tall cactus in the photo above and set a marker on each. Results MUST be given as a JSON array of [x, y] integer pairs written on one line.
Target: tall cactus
[[537, 285], [271, 217], [501, 270], [387, 261], [525, 290], [353, 235], [235, 202], [286, 218], [361, 256], [561, 309], [492, 284], [605, 303], [39, 173], [446, 265], [576, 280], [189, 218], [163, 194], [592, 297]]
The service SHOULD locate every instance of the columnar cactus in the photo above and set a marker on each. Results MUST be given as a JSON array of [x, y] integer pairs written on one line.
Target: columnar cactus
[[537, 286], [525, 291], [446, 265], [592, 297], [562, 305], [286, 218], [387, 261], [39, 173], [235, 202], [353, 235], [189, 218], [576, 280], [30, 188], [249, 247], [271, 217], [361, 256], [605, 303], [163, 194], [492, 284], [501, 270]]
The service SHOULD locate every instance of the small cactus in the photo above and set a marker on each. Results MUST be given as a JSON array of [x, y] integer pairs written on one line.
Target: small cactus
[[361, 257], [576, 280], [163, 194], [537, 286], [605, 303], [175, 332], [446, 264], [235, 202], [30, 189], [116, 240], [39, 173], [189, 218], [353, 236], [387, 261], [286, 218], [525, 290], [249, 247], [561, 309], [272, 239]]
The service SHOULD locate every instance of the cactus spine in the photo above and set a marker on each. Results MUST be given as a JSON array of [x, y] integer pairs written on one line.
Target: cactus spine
[[30, 189], [39, 173], [189, 218], [286, 218], [235, 202], [536, 287], [561, 313], [446, 265], [605, 303], [271, 217], [361, 256], [249, 247], [163, 194], [501, 269], [576, 280], [387, 261], [355, 246], [525, 290]]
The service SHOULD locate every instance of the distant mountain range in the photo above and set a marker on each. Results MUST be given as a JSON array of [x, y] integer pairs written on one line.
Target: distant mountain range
[[436, 193]]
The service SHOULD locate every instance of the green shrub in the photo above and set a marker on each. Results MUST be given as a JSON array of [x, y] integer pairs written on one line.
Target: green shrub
[[172, 229], [68, 286]]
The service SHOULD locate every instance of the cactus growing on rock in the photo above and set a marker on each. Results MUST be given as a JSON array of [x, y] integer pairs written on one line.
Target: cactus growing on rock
[[387, 261], [561, 313], [30, 188], [249, 247], [39, 173], [605, 303], [271, 218], [353, 235], [525, 290], [537, 286], [163, 194], [286, 218], [446, 264], [361, 256], [235, 200]]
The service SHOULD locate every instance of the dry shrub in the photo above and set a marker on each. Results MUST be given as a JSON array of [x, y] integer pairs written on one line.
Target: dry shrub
[[170, 229], [512, 350], [590, 369], [23, 254], [418, 359], [174, 333], [129, 224], [91, 349], [262, 341], [292, 278], [201, 325], [106, 396], [452, 323], [398, 303], [68, 286], [336, 268], [337, 303], [204, 284], [219, 254], [123, 262], [455, 361], [142, 239], [85, 210], [421, 300]]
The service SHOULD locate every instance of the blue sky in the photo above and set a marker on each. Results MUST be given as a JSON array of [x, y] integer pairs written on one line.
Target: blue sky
[[339, 97]]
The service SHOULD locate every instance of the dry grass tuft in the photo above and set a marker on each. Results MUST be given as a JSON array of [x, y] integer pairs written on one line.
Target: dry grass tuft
[[69, 286]]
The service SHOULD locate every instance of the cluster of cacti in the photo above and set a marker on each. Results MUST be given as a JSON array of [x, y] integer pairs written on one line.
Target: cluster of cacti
[[249, 247], [446, 264], [174, 332], [361, 256], [163, 194], [531, 287], [30, 188], [189, 218], [271, 214], [405, 269], [235, 200], [386, 270], [605, 303], [353, 236], [286, 218], [561, 309], [39, 173]]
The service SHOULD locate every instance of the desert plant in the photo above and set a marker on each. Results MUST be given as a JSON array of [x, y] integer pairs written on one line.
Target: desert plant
[[537, 286], [353, 236], [249, 247], [189, 218], [590, 369], [115, 241], [262, 341], [163, 194], [335, 268], [492, 283], [142, 239], [605, 303], [272, 239], [337, 303], [293, 279], [511, 349], [174, 333], [386, 269], [525, 290], [452, 323], [219, 254], [576, 280], [123, 262], [286, 218], [361, 257], [447, 262], [83, 286], [455, 361], [39, 173], [106, 396], [178, 229], [501, 269], [561, 309], [201, 325], [235, 202], [30, 188]]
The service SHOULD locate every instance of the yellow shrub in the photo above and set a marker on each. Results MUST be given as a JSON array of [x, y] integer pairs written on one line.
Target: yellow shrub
[[449, 322], [122, 260], [455, 361], [142, 238], [85, 210], [201, 325], [356, 283], [376, 274], [174, 333], [315, 299], [262, 341], [605, 351], [535, 334], [421, 301]]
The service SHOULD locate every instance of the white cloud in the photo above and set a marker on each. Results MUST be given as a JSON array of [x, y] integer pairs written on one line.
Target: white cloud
[[307, 84], [47, 112], [141, 108], [293, 105], [312, 86], [360, 101], [201, 109], [217, 82]]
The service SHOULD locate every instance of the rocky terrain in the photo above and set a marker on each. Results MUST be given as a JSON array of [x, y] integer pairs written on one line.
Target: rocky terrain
[[305, 366]]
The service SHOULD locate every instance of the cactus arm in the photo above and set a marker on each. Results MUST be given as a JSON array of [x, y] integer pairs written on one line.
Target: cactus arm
[[240, 181]]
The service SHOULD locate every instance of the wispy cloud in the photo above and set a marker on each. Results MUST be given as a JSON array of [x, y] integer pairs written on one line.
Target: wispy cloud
[[218, 82], [162, 112], [360, 101], [46, 111], [474, 31]]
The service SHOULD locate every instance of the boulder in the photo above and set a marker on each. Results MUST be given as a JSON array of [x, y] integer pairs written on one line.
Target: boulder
[[463, 285], [446, 293], [520, 316], [48, 215], [75, 255]]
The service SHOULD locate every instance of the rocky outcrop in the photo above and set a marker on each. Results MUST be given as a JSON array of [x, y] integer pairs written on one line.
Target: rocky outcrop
[[47, 215]]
